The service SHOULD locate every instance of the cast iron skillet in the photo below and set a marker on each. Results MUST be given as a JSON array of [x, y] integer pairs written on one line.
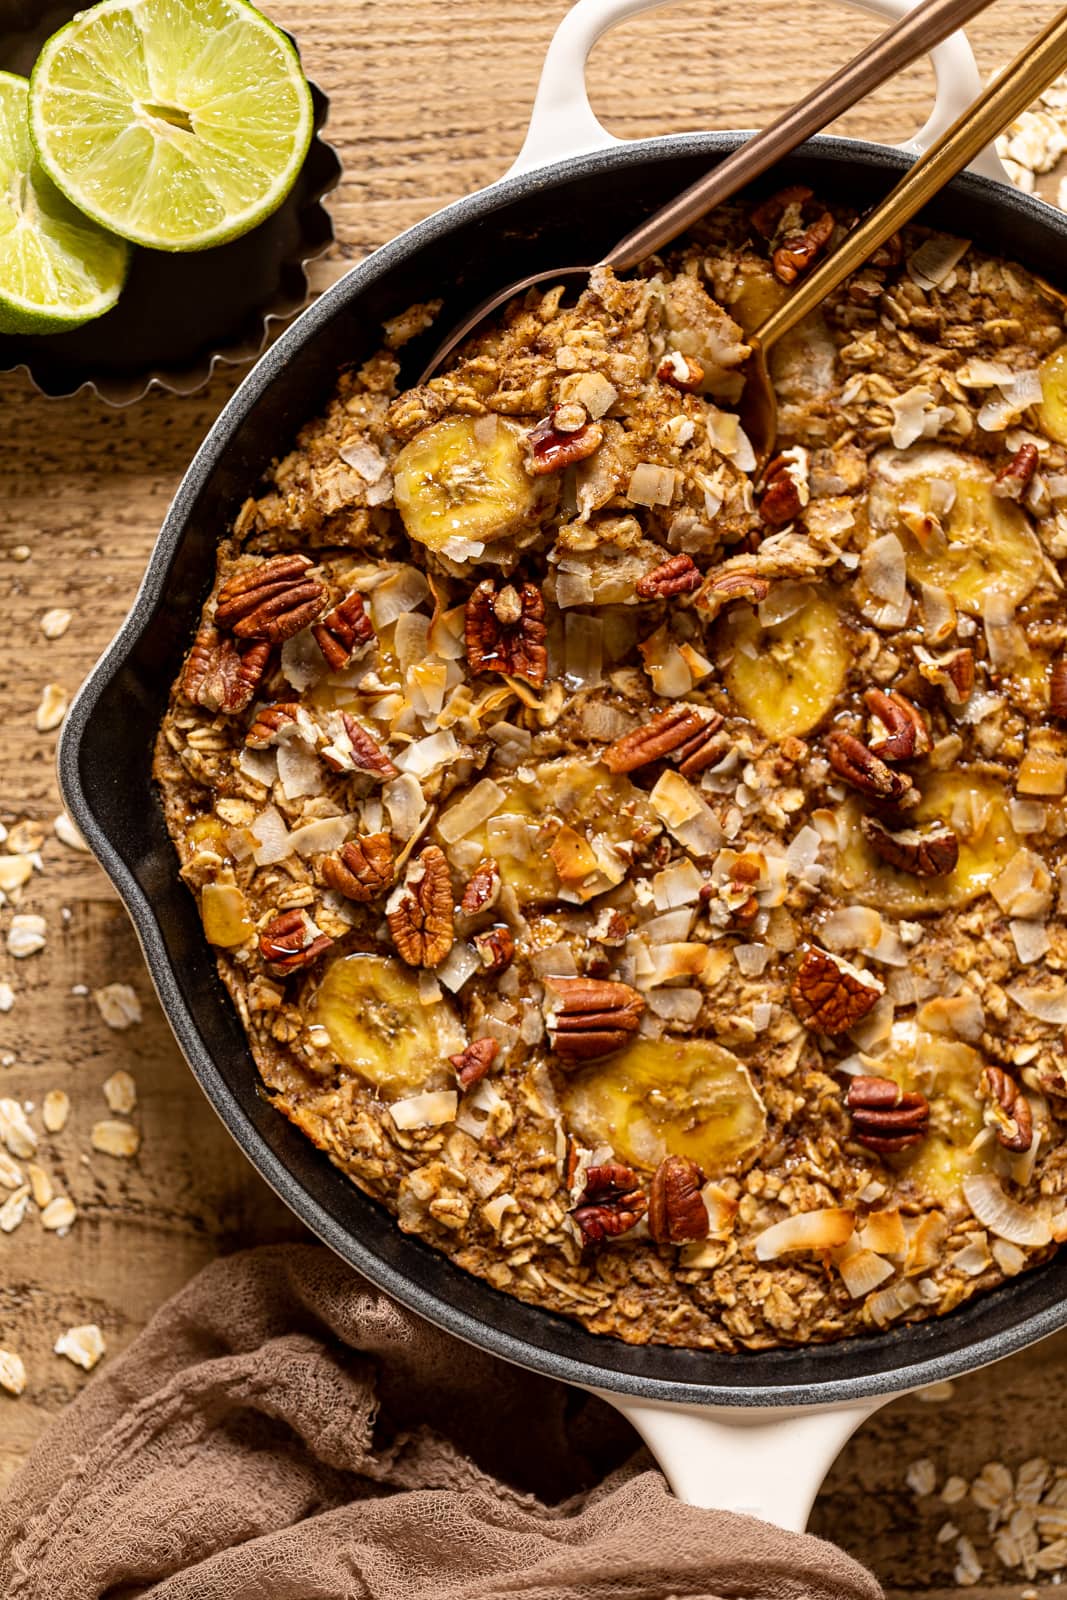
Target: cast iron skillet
[[571, 211]]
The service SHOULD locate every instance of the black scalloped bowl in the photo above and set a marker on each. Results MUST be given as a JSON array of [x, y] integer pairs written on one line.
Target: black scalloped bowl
[[180, 315], [523, 225]]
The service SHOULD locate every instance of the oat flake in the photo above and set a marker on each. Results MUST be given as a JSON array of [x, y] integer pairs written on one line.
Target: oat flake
[[118, 1005], [26, 935], [12, 1372], [52, 708], [55, 1110], [55, 623], [84, 1346], [59, 1213], [115, 1138], [120, 1092], [67, 833], [15, 1130]]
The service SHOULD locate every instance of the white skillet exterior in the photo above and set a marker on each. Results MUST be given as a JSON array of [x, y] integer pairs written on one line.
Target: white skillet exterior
[[768, 1463]]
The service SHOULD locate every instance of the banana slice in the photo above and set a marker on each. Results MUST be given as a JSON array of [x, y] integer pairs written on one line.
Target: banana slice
[[669, 1097], [1053, 412], [464, 481], [568, 833], [947, 1072], [974, 804], [380, 1026], [784, 677], [957, 534]]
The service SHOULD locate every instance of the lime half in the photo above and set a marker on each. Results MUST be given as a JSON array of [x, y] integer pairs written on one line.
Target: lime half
[[177, 123], [57, 269]]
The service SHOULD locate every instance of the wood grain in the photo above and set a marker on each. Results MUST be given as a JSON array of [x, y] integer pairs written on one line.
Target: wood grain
[[429, 101]]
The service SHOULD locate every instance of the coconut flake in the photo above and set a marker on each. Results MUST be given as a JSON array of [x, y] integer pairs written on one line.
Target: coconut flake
[[1024, 887], [1003, 1216], [364, 458], [427, 755], [651, 485], [825, 1229], [259, 765], [299, 769], [1046, 1004], [752, 958], [863, 1271], [322, 836], [302, 661], [675, 1005], [851, 928], [675, 886], [583, 651], [273, 840], [461, 963], [471, 811], [1031, 940], [935, 258], [431, 1109]]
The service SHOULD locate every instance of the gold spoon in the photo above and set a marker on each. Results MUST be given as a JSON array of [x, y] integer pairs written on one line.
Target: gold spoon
[[913, 36], [1034, 68]]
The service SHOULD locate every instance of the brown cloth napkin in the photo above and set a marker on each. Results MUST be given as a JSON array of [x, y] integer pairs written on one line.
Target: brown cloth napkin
[[283, 1431]]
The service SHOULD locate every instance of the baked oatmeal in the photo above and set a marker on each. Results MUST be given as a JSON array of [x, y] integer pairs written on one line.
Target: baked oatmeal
[[641, 874]]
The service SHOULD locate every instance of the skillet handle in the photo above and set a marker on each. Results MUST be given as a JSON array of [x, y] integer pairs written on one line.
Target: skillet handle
[[767, 1462], [563, 124]]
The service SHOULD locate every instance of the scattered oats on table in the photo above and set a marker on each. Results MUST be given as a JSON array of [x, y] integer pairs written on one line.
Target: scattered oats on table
[[641, 873], [67, 833], [54, 623], [59, 1214], [120, 1092], [27, 935], [114, 1138]]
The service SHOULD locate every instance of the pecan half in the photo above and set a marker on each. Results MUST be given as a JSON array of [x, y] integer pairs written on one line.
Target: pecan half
[[766, 217], [362, 869], [419, 913], [290, 942], [356, 750], [505, 631], [676, 1209], [273, 723], [671, 730], [590, 1017], [924, 852], [343, 631], [272, 600], [953, 673], [474, 1062], [553, 447], [219, 675], [1057, 688], [781, 501], [1011, 481], [798, 252], [899, 732], [1008, 1110], [678, 575], [884, 1118], [830, 994], [612, 1202], [495, 947], [733, 583], [851, 760], [680, 372], [483, 888]]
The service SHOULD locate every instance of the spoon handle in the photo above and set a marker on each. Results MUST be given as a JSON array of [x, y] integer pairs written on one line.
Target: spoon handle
[[913, 36], [1034, 68]]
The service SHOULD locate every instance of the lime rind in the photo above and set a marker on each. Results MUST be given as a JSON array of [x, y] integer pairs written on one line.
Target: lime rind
[[58, 270], [179, 124]]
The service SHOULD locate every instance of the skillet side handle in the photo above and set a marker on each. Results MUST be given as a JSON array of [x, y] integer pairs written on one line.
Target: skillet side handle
[[563, 123], [767, 1463]]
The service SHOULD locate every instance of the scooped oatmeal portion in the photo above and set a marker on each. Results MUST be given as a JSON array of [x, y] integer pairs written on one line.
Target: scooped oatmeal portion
[[643, 874]]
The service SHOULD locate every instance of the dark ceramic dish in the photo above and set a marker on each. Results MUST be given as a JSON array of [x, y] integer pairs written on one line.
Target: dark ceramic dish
[[105, 754], [179, 315]]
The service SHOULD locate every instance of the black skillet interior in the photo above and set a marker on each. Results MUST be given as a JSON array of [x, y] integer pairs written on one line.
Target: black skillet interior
[[519, 227]]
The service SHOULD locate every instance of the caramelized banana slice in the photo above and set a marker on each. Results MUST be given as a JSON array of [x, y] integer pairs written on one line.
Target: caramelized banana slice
[[669, 1097], [975, 806], [566, 833], [947, 1072], [784, 677], [464, 480], [380, 1026], [1053, 412], [957, 534]]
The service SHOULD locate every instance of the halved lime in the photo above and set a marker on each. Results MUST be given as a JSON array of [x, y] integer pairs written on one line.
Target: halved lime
[[57, 269], [177, 123]]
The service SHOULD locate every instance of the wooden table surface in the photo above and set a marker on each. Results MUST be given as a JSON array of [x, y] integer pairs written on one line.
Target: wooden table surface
[[429, 100]]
